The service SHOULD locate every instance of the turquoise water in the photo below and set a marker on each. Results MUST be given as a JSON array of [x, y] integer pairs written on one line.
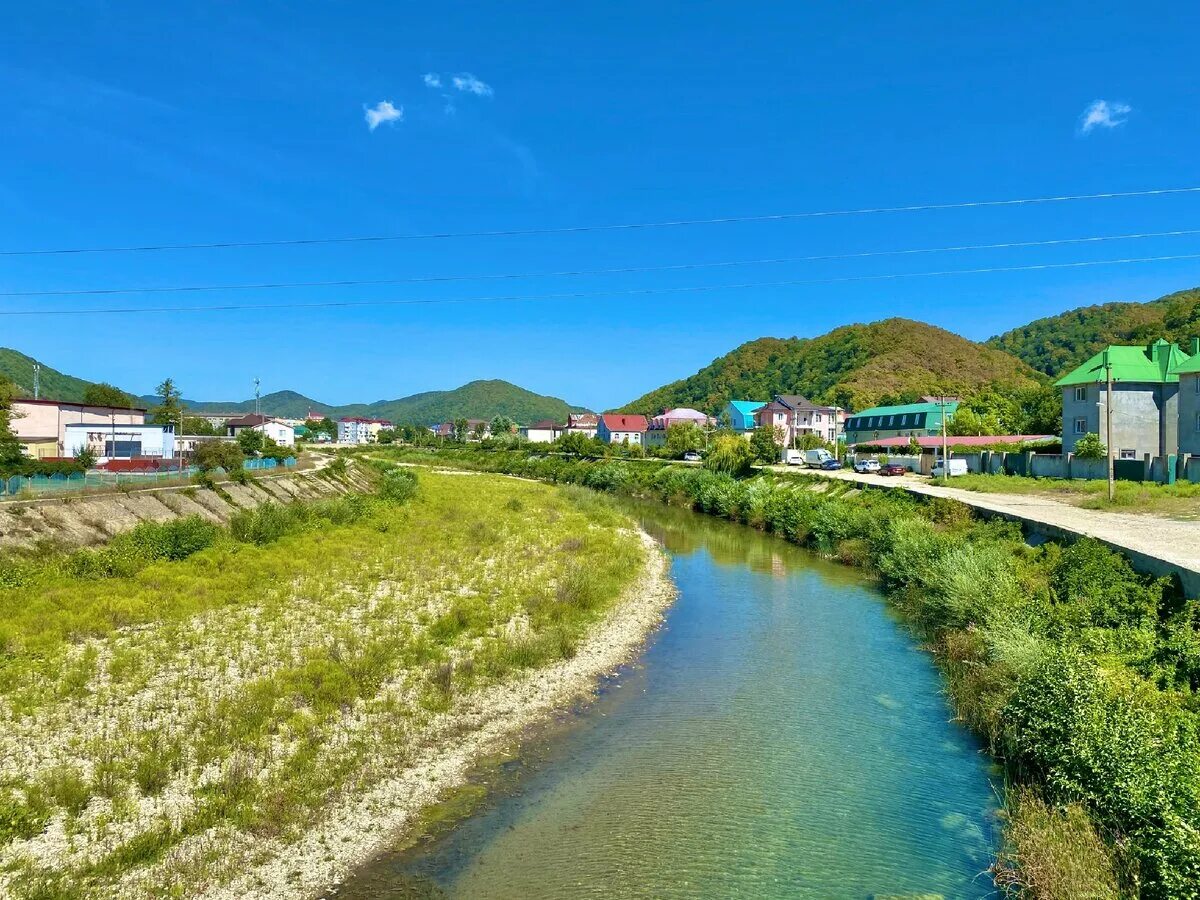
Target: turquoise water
[[782, 736]]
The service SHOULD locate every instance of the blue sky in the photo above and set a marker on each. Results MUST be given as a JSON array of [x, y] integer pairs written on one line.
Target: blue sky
[[137, 123]]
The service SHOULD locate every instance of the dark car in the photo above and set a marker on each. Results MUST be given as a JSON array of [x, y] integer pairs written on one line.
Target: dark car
[[831, 464], [893, 469]]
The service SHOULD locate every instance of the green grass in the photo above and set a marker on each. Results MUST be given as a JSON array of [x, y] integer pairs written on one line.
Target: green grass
[[1181, 499], [262, 671]]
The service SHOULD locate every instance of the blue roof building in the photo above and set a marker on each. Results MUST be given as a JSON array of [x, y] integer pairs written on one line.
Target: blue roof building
[[741, 413]]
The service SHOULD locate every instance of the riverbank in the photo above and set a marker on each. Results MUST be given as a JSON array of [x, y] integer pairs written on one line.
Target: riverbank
[[198, 712], [1080, 674]]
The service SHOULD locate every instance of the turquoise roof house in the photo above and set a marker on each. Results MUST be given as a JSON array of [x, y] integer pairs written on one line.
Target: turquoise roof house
[[741, 413]]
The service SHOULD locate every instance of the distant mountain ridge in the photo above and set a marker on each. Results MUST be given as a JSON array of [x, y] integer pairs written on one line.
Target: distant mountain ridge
[[855, 366], [474, 400], [1056, 344]]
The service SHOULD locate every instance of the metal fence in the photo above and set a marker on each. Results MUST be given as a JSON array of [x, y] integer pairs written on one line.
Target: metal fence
[[41, 485]]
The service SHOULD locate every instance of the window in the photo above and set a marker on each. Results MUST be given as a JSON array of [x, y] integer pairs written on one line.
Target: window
[[1198, 414], [1081, 425], [1081, 394], [890, 420], [1197, 384], [904, 419], [1128, 454]]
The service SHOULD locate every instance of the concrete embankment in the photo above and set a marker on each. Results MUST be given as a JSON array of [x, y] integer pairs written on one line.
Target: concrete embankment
[[81, 521], [1153, 544]]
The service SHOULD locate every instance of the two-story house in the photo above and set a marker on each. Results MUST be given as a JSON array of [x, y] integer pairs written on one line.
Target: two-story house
[[1189, 401], [906, 420], [740, 414], [795, 416], [1145, 404], [656, 428], [619, 428]]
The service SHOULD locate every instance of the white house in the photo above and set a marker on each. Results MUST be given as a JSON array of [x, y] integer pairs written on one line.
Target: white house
[[583, 423], [113, 441], [542, 432], [360, 430], [618, 428], [656, 430], [283, 435]]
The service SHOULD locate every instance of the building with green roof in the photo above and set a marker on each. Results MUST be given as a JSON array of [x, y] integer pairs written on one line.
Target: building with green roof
[[922, 419], [1188, 373], [1145, 414]]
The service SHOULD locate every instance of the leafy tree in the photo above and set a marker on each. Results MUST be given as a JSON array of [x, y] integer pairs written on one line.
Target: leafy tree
[[765, 442], [731, 455], [199, 426], [914, 446], [967, 421], [85, 457], [1089, 447], [577, 443], [461, 427], [810, 442], [104, 394], [10, 448], [502, 425], [225, 455], [168, 411], [250, 441], [479, 430], [386, 436], [682, 437]]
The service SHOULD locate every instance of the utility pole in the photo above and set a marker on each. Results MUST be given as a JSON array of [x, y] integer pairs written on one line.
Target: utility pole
[[945, 442], [37, 380], [256, 383], [1108, 443]]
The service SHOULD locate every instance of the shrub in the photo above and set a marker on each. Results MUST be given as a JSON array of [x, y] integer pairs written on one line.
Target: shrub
[[398, 485], [225, 455], [730, 455]]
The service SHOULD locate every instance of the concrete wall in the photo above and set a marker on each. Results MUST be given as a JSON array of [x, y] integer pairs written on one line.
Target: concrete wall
[[1189, 414], [1145, 417]]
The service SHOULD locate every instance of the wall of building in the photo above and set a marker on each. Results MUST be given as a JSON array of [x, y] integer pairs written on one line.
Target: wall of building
[[1144, 417], [1189, 414], [38, 420]]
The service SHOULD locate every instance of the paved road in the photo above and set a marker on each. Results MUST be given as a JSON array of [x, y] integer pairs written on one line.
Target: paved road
[[1154, 544]]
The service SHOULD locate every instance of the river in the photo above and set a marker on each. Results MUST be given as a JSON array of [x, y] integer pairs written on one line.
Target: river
[[782, 736]]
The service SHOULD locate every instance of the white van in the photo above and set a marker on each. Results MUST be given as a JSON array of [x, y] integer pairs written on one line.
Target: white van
[[814, 459], [957, 467], [793, 458]]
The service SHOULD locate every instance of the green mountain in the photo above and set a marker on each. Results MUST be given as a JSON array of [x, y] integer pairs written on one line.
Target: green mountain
[[855, 366], [18, 368], [1057, 344]]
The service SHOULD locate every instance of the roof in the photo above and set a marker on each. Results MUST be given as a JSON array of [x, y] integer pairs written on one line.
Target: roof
[[544, 424], [1157, 363], [678, 416], [248, 421], [795, 401], [81, 405], [972, 440], [621, 422], [773, 406], [905, 409], [582, 419], [1191, 365], [364, 421], [747, 407]]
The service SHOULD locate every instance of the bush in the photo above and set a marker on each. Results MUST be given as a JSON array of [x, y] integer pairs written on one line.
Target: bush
[[398, 485], [1089, 447], [225, 455], [730, 455]]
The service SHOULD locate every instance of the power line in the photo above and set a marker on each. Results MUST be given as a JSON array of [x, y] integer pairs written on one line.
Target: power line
[[620, 226], [620, 270], [579, 295]]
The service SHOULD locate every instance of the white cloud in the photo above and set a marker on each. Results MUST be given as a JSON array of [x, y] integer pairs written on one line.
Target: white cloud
[[1102, 114], [465, 81], [432, 79], [381, 112]]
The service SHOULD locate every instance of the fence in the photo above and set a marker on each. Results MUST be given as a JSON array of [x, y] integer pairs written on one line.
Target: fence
[[42, 485]]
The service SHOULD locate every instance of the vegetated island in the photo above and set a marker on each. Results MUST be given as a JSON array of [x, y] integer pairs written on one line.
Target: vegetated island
[[254, 710]]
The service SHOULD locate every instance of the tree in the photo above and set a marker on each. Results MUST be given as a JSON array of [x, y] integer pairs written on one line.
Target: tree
[[731, 455], [386, 436], [460, 430], [85, 457], [198, 425], [765, 441], [682, 437], [968, 421], [914, 446], [250, 441], [168, 411], [577, 443], [502, 425], [104, 394], [1089, 447], [10, 447], [225, 455], [479, 431]]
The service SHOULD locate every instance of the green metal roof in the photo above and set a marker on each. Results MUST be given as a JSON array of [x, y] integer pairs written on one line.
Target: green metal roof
[[745, 407], [907, 408], [1157, 363], [1189, 366]]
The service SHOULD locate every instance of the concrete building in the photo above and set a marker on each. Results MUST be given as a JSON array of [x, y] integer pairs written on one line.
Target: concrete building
[[656, 428], [283, 435], [360, 430], [542, 432], [40, 425], [110, 441], [187, 443], [796, 416], [1145, 414], [740, 414], [618, 428], [1189, 401], [904, 420]]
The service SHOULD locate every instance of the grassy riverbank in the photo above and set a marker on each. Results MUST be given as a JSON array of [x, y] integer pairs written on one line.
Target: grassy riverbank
[[178, 708], [1177, 501], [1081, 675]]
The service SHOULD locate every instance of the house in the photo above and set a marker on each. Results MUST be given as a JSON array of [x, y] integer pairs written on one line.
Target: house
[[904, 420], [740, 414], [1145, 399], [219, 419], [360, 430], [1189, 401], [619, 428], [40, 425], [186, 444], [583, 423], [542, 432], [656, 428], [110, 440], [277, 431], [796, 416]]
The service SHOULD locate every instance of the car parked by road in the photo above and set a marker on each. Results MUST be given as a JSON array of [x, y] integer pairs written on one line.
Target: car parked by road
[[893, 469], [830, 464], [867, 466], [691, 456]]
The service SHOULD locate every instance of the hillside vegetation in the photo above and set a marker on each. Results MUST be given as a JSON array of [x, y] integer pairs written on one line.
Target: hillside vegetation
[[1057, 344], [855, 366], [18, 368]]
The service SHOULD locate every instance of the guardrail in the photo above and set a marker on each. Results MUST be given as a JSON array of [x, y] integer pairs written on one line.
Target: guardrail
[[41, 485]]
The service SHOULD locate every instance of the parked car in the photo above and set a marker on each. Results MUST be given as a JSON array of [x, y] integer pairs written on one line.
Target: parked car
[[793, 457], [866, 466], [815, 459], [893, 469], [957, 467], [830, 464], [691, 456]]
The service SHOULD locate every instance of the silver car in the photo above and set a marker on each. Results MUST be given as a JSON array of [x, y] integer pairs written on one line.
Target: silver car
[[867, 466]]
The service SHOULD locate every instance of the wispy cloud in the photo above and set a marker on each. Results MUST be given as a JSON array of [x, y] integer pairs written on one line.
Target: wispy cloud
[[432, 79], [381, 112], [1103, 114], [465, 81]]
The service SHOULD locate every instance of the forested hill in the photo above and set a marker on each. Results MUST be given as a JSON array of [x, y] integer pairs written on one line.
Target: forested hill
[[1057, 344], [18, 368], [855, 366]]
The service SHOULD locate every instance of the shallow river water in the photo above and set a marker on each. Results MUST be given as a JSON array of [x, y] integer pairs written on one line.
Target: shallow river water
[[782, 736]]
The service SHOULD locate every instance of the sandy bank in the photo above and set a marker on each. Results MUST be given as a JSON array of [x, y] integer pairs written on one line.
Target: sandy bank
[[360, 827]]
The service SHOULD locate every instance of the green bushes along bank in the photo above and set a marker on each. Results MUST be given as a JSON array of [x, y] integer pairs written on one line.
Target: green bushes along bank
[[1080, 674]]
